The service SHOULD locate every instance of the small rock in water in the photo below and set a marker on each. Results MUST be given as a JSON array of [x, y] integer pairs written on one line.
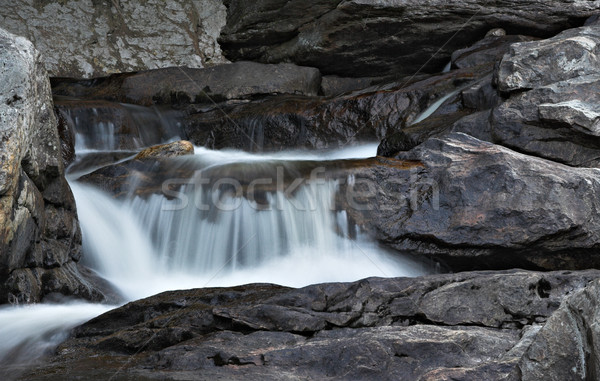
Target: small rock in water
[[178, 148]]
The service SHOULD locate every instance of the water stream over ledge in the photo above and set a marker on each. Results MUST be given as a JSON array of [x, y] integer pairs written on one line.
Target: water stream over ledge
[[146, 245]]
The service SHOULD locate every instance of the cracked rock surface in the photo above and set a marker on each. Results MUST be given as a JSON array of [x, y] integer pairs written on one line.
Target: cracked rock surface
[[473, 325], [88, 38]]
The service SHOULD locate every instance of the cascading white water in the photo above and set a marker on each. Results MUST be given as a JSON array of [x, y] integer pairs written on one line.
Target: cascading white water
[[148, 245], [202, 238], [29, 332]]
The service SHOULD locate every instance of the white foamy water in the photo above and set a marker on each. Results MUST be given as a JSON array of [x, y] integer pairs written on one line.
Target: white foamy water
[[30, 332], [149, 245], [145, 246]]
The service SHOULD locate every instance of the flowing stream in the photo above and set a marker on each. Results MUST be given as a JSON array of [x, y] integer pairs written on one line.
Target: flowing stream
[[205, 236]]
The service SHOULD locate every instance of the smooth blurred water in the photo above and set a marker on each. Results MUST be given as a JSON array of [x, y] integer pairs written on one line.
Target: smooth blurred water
[[32, 331], [153, 244]]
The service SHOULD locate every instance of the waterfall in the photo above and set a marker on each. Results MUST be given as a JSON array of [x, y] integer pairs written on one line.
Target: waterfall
[[111, 126], [207, 236], [203, 235]]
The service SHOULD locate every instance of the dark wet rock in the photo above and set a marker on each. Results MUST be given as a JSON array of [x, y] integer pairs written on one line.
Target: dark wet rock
[[556, 121], [332, 85], [278, 123], [566, 348], [239, 80], [569, 55], [474, 204], [360, 39], [105, 125], [40, 240], [477, 125], [174, 149], [389, 329], [478, 96], [488, 50]]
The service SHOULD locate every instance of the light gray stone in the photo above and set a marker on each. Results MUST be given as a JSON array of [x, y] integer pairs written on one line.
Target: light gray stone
[[88, 38]]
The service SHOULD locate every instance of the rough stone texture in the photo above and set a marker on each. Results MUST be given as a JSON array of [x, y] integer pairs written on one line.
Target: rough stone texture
[[183, 85], [556, 121], [175, 149], [472, 326], [568, 346], [277, 123], [490, 49], [474, 204], [359, 38], [332, 85], [40, 240], [90, 38], [571, 54]]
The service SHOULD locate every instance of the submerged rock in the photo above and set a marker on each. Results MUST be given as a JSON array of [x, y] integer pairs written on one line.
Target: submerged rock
[[358, 38], [388, 329], [179, 148], [40, 240]]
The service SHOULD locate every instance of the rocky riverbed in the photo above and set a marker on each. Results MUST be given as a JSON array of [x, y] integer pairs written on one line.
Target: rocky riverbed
[[487, 171]]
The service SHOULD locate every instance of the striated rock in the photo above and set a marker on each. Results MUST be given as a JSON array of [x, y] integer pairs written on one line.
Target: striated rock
[[478, 205], [84, 39], [567, 347], [179, 148], [40, 240], [571, 54], [184, 85], [388, 329], [360, 38]]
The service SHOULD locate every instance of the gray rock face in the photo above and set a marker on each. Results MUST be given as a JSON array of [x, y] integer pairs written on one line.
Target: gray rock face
[[240, 80], [360, 38], [40, 240], [473, 203], [556, 121], [470, 326], [568, 346], [571, 54], [88, 38]]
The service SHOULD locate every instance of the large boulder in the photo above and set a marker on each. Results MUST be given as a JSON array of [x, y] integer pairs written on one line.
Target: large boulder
[[553, 106], [474, 204], [360, 38], [85, 38], [40, 240], [571, 54], [470, 326]]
